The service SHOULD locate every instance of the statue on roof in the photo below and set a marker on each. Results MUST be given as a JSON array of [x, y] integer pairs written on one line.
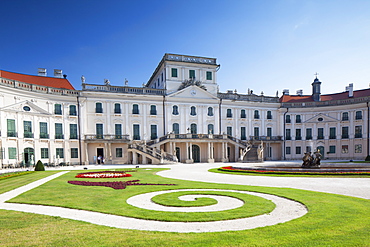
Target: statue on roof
[[83, 79]]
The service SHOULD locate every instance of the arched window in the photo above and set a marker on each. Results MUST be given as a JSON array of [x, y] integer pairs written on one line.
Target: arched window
[[193, 111], [193, 128], [98, 107], [229, 114], [210, 111], [117, 108], [58, 109], [269, 115], [242, 114], [358, 115], [210, 129], [175, 110], [287, 119], [153, 110], [135, 109], [298, 119]]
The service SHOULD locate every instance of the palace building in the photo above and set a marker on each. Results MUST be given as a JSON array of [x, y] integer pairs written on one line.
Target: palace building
[[179, 115]]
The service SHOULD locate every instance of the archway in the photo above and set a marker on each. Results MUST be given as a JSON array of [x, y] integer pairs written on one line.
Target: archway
[[28, 156], [195, 153]]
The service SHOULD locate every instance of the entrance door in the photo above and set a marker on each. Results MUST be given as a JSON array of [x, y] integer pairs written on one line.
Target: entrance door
[[29, 156], [196, 153], [100, 155], [321, 150], [178, 153]]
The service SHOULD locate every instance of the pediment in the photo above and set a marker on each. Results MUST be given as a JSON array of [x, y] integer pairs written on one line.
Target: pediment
[[26, 107], [321, 118], [193, 92]]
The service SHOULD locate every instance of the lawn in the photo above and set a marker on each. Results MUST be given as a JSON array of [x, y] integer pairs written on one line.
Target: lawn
[[332, 220]]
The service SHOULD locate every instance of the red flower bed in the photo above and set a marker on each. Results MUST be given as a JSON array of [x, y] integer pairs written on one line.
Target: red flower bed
[[104, 174], [232, 169], [115, 185]]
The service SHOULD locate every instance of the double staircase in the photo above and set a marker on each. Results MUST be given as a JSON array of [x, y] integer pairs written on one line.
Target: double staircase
[[155, 155]]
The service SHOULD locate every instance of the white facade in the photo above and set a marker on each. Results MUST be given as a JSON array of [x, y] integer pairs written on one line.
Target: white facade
[[178, 113]]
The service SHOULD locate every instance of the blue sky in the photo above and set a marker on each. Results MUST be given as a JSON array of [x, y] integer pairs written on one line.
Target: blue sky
[[265, 45]]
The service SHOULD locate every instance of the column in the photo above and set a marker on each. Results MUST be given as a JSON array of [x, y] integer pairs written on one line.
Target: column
[[210, 153], [134, 158]]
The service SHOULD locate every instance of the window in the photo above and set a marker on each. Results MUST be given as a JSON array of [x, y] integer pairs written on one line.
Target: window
[[332, 134], [174, 72], [58, 109], [210, 129], [209, 75], [332, 149], [74, 153], [119, 153], [287, 119], [345, 116], [136, 131], [358, 148], [44, 130], [73, 131], [117, 108], [242, 114], [44, 153], [308, 134], [320, 133], [193, 111], [27, 128], [12, 152], [345, 132], [229, 114], [175, 110], [135, 109], [287, 150], [344, 149], [269, 132], [153, 132], [256, 132], [358, 115], [72, 110], [269, 115], [287, 134], [358, 131], [298, 135], [99, 131], [210, 111], [298, 150], [229, 130], [176, 128], [59, 152], [192, 74], [98, 107], [11, 128], [59, 131], [118, 131], [298, 118], [243, 135], [308, 149], [193, 128], [153, 110], [256, 114]]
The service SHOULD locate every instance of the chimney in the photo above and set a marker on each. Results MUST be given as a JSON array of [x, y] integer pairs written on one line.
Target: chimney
[[300, 92], [350, 90], [285, 91], [58, 73], [41, 72]]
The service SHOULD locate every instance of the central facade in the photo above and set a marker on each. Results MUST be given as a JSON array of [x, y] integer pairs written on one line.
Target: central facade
[[179, 115]]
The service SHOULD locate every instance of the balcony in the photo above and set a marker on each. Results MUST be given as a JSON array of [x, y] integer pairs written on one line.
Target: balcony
[[332, 137], [288, 138], [320, 137], [298, 137], [308, 137], [345, 136], [266, 138], [12, 134], [73, 136], [28, 135], [358, 135], [105, 138], [44, 136], [59, 136]]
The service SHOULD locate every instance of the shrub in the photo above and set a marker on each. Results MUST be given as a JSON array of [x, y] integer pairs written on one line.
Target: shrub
[[39, 166], [367, 158]]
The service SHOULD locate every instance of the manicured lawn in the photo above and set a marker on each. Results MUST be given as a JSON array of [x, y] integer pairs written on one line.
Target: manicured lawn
[[332, 220]]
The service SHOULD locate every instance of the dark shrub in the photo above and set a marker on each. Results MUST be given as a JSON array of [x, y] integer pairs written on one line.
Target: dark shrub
[[39, 166], [367, 158]]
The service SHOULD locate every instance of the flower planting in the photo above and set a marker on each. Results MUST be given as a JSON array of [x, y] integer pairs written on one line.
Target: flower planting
[[118, 185], [104, 174], [295, 172]]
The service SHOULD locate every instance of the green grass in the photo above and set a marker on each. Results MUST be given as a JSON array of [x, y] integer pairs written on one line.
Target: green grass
[[332, 220]]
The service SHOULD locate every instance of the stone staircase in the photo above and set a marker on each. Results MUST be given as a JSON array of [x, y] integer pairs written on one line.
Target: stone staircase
[[152, 153]]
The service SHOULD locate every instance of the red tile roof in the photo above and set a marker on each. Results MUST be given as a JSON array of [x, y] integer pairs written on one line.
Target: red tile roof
[[324, 97], [38, 80]]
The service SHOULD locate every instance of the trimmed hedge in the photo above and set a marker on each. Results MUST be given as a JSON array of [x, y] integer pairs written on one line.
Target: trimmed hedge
[[39, 166]]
